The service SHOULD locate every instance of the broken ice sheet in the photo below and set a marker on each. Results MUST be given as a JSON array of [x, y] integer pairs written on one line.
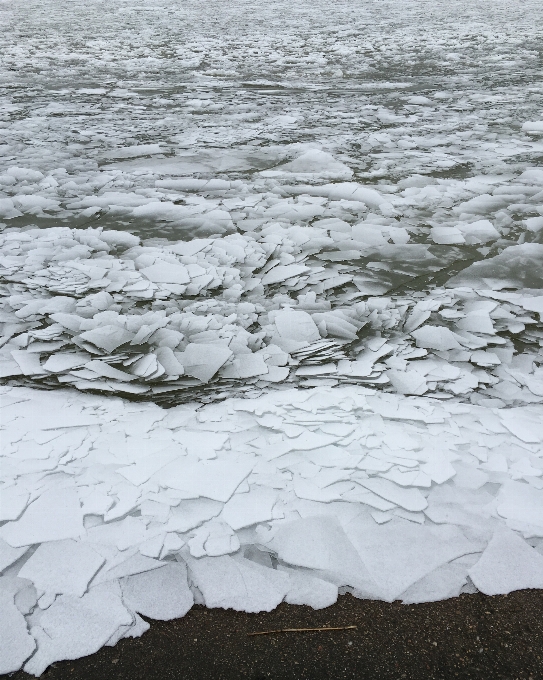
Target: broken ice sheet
[[62, 567], [73, 627], [17, 643], [55, 515], [507, 564], [159, 594]]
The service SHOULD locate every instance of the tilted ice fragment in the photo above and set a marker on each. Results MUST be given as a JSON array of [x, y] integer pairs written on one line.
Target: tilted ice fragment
[[238, 584], [167, 358], [161, 594], [107, 337], [407, 382], [435, 337], [16, 643], [524, 425], [481, 231], [192, 247], [533, 304], [534, 224], [28, 362], [410, 499], [122, 239], [213, 539], [73, 627], [245, 509], [305, 488], [282, 273], [320, 543], [245, 366], [533, 127], [58, 363], [522, 506], [165, 272], [191, 513], [55, 515], [447, 235], [399, 553], [134, 151], [136, 564], [105, 370], [517, 266], [441, 584], [312, 162], [62, 567], [309, 590], [296, 325], [507, 564], [12, 503], [202, 361], [58, 304], [8, 210], [9, 555]]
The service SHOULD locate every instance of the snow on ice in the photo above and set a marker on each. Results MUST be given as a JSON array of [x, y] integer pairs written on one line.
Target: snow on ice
[[269, 338]]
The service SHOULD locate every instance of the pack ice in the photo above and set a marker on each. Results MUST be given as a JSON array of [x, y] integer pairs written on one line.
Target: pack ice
[[271, 310]]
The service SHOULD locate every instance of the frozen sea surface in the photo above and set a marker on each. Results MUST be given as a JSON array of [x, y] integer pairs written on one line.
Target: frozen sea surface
[[315, 233]]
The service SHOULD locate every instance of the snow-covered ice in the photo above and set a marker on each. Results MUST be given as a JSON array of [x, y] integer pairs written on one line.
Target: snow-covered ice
[[271, 298]]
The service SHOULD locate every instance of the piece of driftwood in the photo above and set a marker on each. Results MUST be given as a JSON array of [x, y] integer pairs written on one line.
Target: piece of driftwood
[[300, 630]]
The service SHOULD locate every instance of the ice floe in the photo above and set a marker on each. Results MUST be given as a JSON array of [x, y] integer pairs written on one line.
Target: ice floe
[[266, 337], [242, 504]]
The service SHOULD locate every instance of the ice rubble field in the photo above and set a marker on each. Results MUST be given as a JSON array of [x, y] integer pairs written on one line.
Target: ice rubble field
[[271, 297]]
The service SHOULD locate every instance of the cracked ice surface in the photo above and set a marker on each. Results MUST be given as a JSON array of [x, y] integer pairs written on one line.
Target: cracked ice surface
[[317, 236]]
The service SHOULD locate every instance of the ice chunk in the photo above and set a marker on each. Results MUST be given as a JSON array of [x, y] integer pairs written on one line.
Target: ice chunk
[[481, 231], [313, 162], [320, 543], [165, 272], [107, 337], [58, 363], [73, 627], [161, 594], [435, 337], [238, 583], [9, 555], [202, 361], [441, 584], [245, 509], [54, 516], [522, 506], [400, 553], [62, 567], [245, 366], [191, 513], [515, 267], [507, 564], [16, 643], [296, 325], [533, 127], [213, 539], [283, 272], [309, 590]]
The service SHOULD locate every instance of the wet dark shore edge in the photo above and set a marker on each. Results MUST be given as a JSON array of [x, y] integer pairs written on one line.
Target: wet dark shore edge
[[471, 636]]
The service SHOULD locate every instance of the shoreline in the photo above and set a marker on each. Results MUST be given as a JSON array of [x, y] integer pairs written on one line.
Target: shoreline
[[393, 641]]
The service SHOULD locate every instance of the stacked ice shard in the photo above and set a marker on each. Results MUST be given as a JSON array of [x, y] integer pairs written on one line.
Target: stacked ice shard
[[103, 311]]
